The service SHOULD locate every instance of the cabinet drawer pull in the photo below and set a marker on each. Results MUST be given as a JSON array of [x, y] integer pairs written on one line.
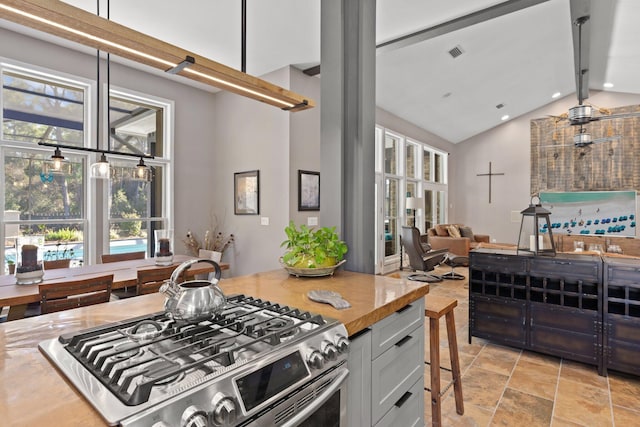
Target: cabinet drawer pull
[[403, 399], [403, 341], [405, 308], [562, 262]]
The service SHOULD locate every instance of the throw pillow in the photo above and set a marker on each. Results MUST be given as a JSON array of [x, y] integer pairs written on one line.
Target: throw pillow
[[454, 231], [466, 232], [441, 230]]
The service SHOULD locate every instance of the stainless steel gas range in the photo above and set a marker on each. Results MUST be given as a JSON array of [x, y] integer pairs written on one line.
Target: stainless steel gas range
[[255, 363]]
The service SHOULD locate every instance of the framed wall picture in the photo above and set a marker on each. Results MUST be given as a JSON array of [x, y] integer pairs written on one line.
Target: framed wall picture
[[246, 190], [308, 191]]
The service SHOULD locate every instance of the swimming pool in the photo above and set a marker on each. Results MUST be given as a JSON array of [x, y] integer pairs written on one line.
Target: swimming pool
[[115, 247]]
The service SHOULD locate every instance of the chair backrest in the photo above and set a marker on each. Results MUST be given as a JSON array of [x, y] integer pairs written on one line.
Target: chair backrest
[[419, 259], [77, 293], [150, 279], [127, 256], [57, 263]]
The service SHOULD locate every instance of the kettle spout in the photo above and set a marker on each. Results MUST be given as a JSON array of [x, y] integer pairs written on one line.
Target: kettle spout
[[170, 289]]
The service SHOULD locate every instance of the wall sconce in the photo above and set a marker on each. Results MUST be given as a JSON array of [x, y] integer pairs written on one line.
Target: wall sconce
[[536, 236]]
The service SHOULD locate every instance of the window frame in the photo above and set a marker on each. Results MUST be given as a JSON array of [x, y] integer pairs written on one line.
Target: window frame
[[440, 189], [96, 195]]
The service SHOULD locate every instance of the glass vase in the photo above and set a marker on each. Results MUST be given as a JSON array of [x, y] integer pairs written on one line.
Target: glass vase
[[29, 254], [163, 239]]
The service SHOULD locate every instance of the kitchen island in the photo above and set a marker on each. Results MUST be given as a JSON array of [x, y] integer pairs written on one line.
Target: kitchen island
[[34, 393]]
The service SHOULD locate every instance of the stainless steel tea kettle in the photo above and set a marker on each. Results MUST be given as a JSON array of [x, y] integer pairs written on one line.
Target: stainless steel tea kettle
[[194, 300]]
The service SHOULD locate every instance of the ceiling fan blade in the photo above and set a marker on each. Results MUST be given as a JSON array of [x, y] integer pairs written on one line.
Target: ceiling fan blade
[[607, 139]]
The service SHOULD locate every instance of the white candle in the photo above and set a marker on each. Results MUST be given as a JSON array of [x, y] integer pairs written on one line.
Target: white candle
[[532, 242]]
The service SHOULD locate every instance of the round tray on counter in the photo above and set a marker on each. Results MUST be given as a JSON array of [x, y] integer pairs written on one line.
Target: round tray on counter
[[313, 272]]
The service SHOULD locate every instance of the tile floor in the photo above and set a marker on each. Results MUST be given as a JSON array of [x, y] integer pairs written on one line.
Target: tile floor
[[503, 386]]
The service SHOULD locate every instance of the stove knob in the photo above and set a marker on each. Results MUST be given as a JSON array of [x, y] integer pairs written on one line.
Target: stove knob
[[316, 359], [342, 344], [224, 410], [330, 351], [193, 417]]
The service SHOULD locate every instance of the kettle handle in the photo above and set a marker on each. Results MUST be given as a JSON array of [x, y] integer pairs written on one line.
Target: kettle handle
[[187, 264]]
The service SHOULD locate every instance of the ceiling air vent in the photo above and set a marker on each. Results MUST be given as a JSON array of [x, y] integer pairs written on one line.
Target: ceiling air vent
[[456, 51]]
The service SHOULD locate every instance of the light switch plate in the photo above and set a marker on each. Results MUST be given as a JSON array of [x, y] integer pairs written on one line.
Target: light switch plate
[[264, 220], [312, 220]]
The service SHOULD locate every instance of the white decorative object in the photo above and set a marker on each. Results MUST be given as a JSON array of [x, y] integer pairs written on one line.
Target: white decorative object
[[212, 255]]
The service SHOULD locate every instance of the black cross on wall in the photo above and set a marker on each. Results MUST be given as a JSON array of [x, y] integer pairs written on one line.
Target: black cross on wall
[[490, 174]]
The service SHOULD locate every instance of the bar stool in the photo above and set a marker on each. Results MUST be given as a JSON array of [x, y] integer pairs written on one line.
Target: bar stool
[[435, 308]]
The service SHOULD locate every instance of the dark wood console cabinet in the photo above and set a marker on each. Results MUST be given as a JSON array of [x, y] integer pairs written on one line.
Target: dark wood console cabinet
[[552, 305], [621, 314]]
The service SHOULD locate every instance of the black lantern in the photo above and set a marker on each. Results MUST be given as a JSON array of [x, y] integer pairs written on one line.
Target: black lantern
[[536, 236]]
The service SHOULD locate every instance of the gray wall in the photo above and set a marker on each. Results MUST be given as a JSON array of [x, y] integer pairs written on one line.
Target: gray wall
[[508, 148], [305, 142], [250, 135]]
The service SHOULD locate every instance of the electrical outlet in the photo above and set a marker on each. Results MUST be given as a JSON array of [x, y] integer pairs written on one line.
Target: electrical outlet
[[312, 220], [264, 220]]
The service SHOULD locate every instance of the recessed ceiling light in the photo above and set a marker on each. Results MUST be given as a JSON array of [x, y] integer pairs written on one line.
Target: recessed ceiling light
[[608, 85], [555, 95], [505, 117]]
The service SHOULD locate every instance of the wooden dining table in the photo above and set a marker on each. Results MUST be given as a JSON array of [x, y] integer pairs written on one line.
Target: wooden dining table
[[125, 274]]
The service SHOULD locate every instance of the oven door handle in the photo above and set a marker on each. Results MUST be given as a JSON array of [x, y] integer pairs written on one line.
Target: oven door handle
[[319, 401]]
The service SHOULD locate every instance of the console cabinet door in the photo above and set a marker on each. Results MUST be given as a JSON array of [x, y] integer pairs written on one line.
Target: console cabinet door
[[498, 319], [622, 346], [565, 332]]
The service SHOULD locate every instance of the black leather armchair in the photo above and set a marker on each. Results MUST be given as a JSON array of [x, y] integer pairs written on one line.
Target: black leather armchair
[[420, 257]]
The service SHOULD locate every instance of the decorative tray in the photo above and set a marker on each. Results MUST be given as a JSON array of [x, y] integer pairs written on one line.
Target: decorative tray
[[313, 272]]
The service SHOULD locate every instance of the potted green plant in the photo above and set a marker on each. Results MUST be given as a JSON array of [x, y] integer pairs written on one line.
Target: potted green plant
[[12, 266], [312, 248]]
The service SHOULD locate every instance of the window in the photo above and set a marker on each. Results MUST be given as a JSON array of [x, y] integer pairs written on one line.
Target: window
[[411, 169], [45, 106], [41, 107], [35, 109], [137, 208]]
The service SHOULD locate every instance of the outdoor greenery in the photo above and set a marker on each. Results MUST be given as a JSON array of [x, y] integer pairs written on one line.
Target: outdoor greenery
[[312, 248], [63, 235]]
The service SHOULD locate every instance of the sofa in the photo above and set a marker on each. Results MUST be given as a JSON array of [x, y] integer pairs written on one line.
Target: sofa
[[457, 238]]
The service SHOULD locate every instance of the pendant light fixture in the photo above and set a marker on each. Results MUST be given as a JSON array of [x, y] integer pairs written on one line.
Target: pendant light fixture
[[102, 169], [142, 172], [56, 164]]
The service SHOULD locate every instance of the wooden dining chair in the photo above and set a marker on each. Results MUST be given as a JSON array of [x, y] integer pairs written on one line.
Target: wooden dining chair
[[150, 279], [56, 263], [127, 256], [78, 293]]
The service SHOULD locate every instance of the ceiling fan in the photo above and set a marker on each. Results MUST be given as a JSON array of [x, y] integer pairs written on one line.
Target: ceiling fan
[[584, 113]]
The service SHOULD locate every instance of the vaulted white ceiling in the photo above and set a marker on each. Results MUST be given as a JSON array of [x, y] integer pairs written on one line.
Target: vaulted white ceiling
[[517, 60]]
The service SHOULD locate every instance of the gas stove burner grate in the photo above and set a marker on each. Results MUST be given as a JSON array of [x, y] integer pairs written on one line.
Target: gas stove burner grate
[[136, 357]]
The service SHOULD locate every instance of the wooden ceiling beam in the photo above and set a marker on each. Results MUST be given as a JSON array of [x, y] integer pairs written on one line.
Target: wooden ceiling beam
[[63, 20]]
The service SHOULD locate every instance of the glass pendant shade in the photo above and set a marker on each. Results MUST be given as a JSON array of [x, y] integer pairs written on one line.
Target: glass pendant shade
[[142, 172], [536, 236], [101, 169], [57, 164]]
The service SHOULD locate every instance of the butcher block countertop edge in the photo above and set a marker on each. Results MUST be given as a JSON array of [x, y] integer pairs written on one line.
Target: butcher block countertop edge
[[35, 393]]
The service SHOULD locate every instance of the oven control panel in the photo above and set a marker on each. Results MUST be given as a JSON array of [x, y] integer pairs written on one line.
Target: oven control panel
[[251, 392]]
